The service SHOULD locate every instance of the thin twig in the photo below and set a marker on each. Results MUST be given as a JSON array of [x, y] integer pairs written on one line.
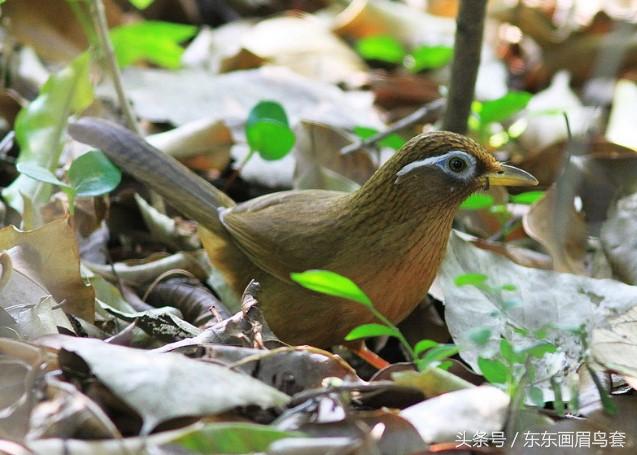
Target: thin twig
[[409, 120], [466, 60], [99, 17]]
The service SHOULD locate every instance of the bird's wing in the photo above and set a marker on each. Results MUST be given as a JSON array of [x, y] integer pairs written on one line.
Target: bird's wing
[[286, 232]]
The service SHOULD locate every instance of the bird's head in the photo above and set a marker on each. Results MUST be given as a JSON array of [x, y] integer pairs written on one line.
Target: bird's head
[[451, 165]]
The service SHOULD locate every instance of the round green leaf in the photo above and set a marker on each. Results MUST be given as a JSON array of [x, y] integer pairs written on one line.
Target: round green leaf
[[383, 48], [267, 110], [502, 108], [93, 174], [271, 139], [369, 330], [428, 57], [39, 173], [424, 345], [331, 283]]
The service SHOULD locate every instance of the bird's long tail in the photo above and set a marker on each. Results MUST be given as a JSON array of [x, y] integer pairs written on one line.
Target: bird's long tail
[[185, 191]]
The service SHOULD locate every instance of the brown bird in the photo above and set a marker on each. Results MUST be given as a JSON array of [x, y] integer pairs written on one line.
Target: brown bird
[[389, 236]]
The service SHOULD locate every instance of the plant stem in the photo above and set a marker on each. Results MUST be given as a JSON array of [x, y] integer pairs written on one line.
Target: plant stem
[[397, 333], [466, 60], [101, 25]]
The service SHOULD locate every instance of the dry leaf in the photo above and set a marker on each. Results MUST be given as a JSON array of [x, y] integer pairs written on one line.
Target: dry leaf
[[49, 257]]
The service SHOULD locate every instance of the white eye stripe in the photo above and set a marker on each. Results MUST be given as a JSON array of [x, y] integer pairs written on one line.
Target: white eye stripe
[[440, 161]]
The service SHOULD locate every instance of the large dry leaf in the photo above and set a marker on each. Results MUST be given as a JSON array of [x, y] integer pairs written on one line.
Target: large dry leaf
[[558, 303], [619, 241], [49, 257], [306, 46], [441, 418], [164, 386], [320, 164], [382, 17], [621, 129], [615, 345], [187, 95], [560, 229]]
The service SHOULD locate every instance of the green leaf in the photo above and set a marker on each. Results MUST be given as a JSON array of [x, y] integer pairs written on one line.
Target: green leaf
[[268, 131], [370, 330], [507, 352], [502, 108], [493, 370], [93, 174], [509, 287], [477, 201], [437, 353], [41, 125], [39, 173], [268, 110], [428, 57], [141, 4], [393, 141], [331, 283], [232, 438], [270, 139], [537, 396], [480, 336], [382, 48], [470, 279], [540, 349], [424, 345], [153, 41], [528, 197]]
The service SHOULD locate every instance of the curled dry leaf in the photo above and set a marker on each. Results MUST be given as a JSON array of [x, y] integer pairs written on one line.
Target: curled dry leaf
[[363, 18], [210, 138], [187, 387], [49, 258], [560, 229], [470, 410], [619, 245], [306, 46], [615, 345], [320, 164]]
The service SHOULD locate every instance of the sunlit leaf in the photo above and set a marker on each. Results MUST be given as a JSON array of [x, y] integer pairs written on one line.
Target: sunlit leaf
[[493, 370], [153, 41], [268, 131], [393, 141], [424, 345], [370, 330], [331, 283], [41, 125], [477, 201], [428, 57], [470, 279], [93, 174], [40, 173], [232, 438], [141, 4], [382, 48], [502, 108], [528, 197]]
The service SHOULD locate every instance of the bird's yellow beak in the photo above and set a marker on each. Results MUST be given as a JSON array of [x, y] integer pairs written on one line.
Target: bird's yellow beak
[[510, 176]]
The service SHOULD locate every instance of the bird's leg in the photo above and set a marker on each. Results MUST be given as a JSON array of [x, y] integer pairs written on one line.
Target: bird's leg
[[369, 356]]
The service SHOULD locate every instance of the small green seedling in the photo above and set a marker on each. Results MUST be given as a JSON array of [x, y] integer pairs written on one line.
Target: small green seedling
[[425, 354], [487, 115], [268, 132], [388, 49], [392, 141], [91, 174]]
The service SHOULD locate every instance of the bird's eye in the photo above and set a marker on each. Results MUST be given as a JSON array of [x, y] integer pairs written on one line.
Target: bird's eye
[[457, 164]]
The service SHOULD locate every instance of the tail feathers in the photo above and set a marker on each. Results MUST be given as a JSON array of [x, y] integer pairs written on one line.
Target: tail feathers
[[185, 191]]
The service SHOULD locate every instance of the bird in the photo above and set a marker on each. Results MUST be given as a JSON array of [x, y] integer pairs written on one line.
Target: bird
[[389, 236]]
